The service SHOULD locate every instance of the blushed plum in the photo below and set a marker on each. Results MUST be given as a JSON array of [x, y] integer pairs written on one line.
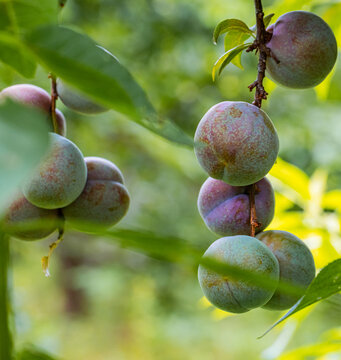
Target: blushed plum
[[226, 209], [104, 200], [22, 216], [60, 178], [305, 47], [235, 295], [36, 97], [296, 265], [76, 101], [236, 142]]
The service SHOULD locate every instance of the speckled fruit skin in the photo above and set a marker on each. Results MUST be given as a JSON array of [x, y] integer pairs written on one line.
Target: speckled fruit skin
[[77, 102], [104, 200], [21, 213], [37, 97], [236, 142], [60, 178], [306, 48], [296, 265], [226, 209], [233, 295]]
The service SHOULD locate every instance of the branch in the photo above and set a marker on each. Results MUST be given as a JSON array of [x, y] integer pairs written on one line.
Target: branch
[[253, 217], [262, 37]]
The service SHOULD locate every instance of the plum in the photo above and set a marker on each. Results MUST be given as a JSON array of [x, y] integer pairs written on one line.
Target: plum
[[22, 216], [296, 265], [60, 178], [226, 209], [236, 142], [104, 200], [36, 97], [232, 295], [76, 101], [305, 47]]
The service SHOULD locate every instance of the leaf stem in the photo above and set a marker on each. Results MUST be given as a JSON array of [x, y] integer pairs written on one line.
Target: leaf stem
[[6, 342]]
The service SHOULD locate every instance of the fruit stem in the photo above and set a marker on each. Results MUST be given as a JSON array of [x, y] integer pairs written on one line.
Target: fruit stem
[[45, 261], [262, 37], [6, 342], [54, 97], [253, 216]]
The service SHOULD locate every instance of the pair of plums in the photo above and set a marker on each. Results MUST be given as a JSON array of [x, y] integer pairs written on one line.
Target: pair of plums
[[88, 192]]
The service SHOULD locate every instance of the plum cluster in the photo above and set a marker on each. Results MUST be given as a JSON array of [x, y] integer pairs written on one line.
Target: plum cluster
[[237, 144], [87, 192]]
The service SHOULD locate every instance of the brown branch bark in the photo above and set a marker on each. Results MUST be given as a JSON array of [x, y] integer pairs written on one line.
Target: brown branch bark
[[262, 37]]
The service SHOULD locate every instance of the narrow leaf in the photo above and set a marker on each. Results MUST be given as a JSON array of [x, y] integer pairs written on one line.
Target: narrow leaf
[[14, 54], [233, 39], [267, 19], [94, 71], [23, 142], [230, 25], [226, 58], [32, 353], [326, 283]]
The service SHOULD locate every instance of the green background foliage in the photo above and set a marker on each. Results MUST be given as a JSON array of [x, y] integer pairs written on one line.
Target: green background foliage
[[104, 301]]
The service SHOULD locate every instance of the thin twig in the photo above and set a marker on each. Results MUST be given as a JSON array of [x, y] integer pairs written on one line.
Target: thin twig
[[262, 37], [54, 97]]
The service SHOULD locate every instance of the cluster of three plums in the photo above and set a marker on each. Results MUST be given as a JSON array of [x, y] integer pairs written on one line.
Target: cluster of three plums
[[87, 192], [237, 144]]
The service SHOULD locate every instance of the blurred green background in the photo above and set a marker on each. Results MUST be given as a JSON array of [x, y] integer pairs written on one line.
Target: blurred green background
[[104, 302]]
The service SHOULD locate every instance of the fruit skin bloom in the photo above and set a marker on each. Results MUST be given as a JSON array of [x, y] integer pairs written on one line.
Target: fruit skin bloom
[[233, 295], [305, 47], [236, 142]]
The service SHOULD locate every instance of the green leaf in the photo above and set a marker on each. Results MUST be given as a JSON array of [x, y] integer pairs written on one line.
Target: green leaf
[[226, 58], [23, 142], [230, 25], [94, 71], [267, 19], [233, 39], [173, 249], [326, 283], [14, 54], [21, 15], [32, 353]]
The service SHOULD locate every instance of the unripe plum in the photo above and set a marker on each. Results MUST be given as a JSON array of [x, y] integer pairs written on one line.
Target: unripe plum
[[104, 200], [22, 216], [60, 178], [76, 101], [236, 142], [238, 296], [305, 47], [36, 97], [296, 265], [226, 209]]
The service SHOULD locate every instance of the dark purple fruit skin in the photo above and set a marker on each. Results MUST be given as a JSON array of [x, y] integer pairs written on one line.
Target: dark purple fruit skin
[[306, 49], [296, 264], [21, 212], [236, 142], [104, 200], [232, 295], [226, 209], [60, 178], [36, 97]]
